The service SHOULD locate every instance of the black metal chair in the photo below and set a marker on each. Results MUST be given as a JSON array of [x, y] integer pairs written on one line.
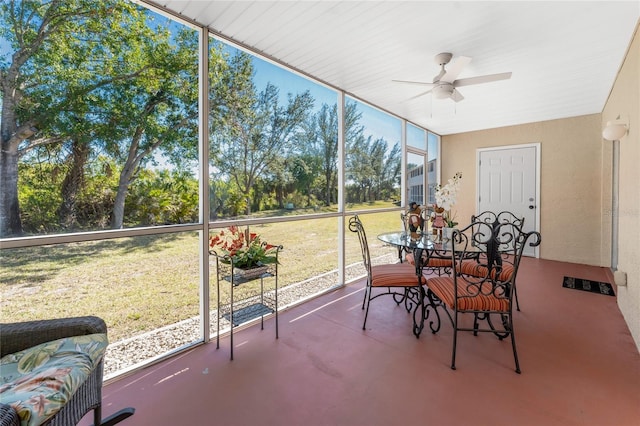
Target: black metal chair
[[503, 218], [482, 287], [402, 281]]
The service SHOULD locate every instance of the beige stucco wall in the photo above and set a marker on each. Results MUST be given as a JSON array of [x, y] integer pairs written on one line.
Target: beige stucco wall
[[570, 181], [624, 101]]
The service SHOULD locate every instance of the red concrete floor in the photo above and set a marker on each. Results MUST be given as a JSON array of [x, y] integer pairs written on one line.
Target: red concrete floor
[[579, 364]]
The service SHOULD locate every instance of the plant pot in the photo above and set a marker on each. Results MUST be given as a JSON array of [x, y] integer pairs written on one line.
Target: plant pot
[[250, 273]]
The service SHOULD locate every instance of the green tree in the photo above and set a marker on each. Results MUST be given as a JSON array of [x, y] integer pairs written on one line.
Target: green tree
[[387, 170], [319, 144], [231, 93], [47, 75], [163, 197], [158, 110], [255, 131], [93, 78], [39, 183], [73, 183], [372, 171]]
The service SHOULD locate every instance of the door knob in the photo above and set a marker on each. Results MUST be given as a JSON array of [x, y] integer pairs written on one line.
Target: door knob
[[532, 207]]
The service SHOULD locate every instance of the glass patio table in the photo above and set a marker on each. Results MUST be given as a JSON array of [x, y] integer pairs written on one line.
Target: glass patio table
[[417, 243], [435, 255], [421, 243]]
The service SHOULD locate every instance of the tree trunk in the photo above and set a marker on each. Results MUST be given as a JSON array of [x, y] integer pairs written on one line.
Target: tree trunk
[[130, 166], [117, 219], [10, 223], [328, 186], [279, 195], [72, 184], [128, 172]]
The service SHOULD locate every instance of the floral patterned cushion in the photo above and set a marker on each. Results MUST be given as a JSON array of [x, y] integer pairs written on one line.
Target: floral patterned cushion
[[37, 382]]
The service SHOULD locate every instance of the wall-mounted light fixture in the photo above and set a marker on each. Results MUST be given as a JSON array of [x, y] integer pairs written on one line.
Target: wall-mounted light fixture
[[614, 130]]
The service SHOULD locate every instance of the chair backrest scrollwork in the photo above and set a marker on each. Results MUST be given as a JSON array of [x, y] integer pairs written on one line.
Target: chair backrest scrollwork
[[504, 219], [355, 225], [491, 272]]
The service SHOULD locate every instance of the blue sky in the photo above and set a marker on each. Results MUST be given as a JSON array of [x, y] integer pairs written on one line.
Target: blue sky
[[5, 49], [289, 82], [377, 123]]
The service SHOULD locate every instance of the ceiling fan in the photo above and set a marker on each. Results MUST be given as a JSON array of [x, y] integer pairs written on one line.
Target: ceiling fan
[[445, 85]]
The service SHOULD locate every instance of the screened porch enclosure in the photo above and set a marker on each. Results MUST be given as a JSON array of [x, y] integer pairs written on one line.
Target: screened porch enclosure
[[136, 164]]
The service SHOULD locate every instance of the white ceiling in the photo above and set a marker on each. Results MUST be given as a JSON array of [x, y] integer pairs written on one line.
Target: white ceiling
[[564, 55]]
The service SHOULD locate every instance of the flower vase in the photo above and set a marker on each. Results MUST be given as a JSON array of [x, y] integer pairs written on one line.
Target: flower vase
[[447, 233]]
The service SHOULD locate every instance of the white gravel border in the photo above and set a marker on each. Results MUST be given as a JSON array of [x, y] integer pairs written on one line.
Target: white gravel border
[[129, 354]]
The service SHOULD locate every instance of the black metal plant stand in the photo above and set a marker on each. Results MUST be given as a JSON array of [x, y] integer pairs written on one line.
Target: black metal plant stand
[[227, 273]]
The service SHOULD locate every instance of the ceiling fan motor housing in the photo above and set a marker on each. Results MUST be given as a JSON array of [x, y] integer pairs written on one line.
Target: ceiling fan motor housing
[[442, 90]]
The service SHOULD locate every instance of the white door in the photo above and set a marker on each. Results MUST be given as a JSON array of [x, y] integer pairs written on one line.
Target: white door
[[508, 180]]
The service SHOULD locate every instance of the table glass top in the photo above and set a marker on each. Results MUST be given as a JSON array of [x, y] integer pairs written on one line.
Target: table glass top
[[418, 240], [409, 239]]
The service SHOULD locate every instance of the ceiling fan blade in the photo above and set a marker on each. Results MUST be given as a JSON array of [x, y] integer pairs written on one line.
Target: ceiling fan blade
[[457, 67], [482, 79], [419, 94], [423, 83], [456, 96]]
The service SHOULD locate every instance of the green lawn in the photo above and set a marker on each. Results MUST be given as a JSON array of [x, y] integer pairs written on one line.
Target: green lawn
[[142, 283]]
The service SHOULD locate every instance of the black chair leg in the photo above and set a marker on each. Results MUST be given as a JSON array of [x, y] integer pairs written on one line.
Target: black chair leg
[[97, 415], [116, 417], [366, 312], [475, 324], [455, 342], [418, 324], [513, 345], [367, 290], [515, 295]]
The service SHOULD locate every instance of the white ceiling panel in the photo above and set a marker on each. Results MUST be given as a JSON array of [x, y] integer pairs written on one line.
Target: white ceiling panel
[[564, 56]]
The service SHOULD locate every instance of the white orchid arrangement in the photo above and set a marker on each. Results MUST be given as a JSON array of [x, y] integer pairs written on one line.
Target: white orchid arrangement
[[446, 197]]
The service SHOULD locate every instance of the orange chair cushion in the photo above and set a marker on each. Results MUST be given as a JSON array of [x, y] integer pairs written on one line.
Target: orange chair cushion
[[395, 275], [442, 287], [439, 263], [472, 268], [433, 262]]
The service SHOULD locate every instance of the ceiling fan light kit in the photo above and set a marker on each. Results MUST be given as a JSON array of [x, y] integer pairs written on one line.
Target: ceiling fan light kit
[[445, 83], [442, 91]]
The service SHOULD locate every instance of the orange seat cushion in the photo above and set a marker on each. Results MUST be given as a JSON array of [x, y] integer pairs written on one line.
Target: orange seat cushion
[[443, 288], [472, 268], [439, 263], [434, 262], [395, 275]]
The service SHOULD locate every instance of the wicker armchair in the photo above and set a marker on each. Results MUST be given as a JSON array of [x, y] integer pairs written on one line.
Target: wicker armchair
[[15, 337]]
